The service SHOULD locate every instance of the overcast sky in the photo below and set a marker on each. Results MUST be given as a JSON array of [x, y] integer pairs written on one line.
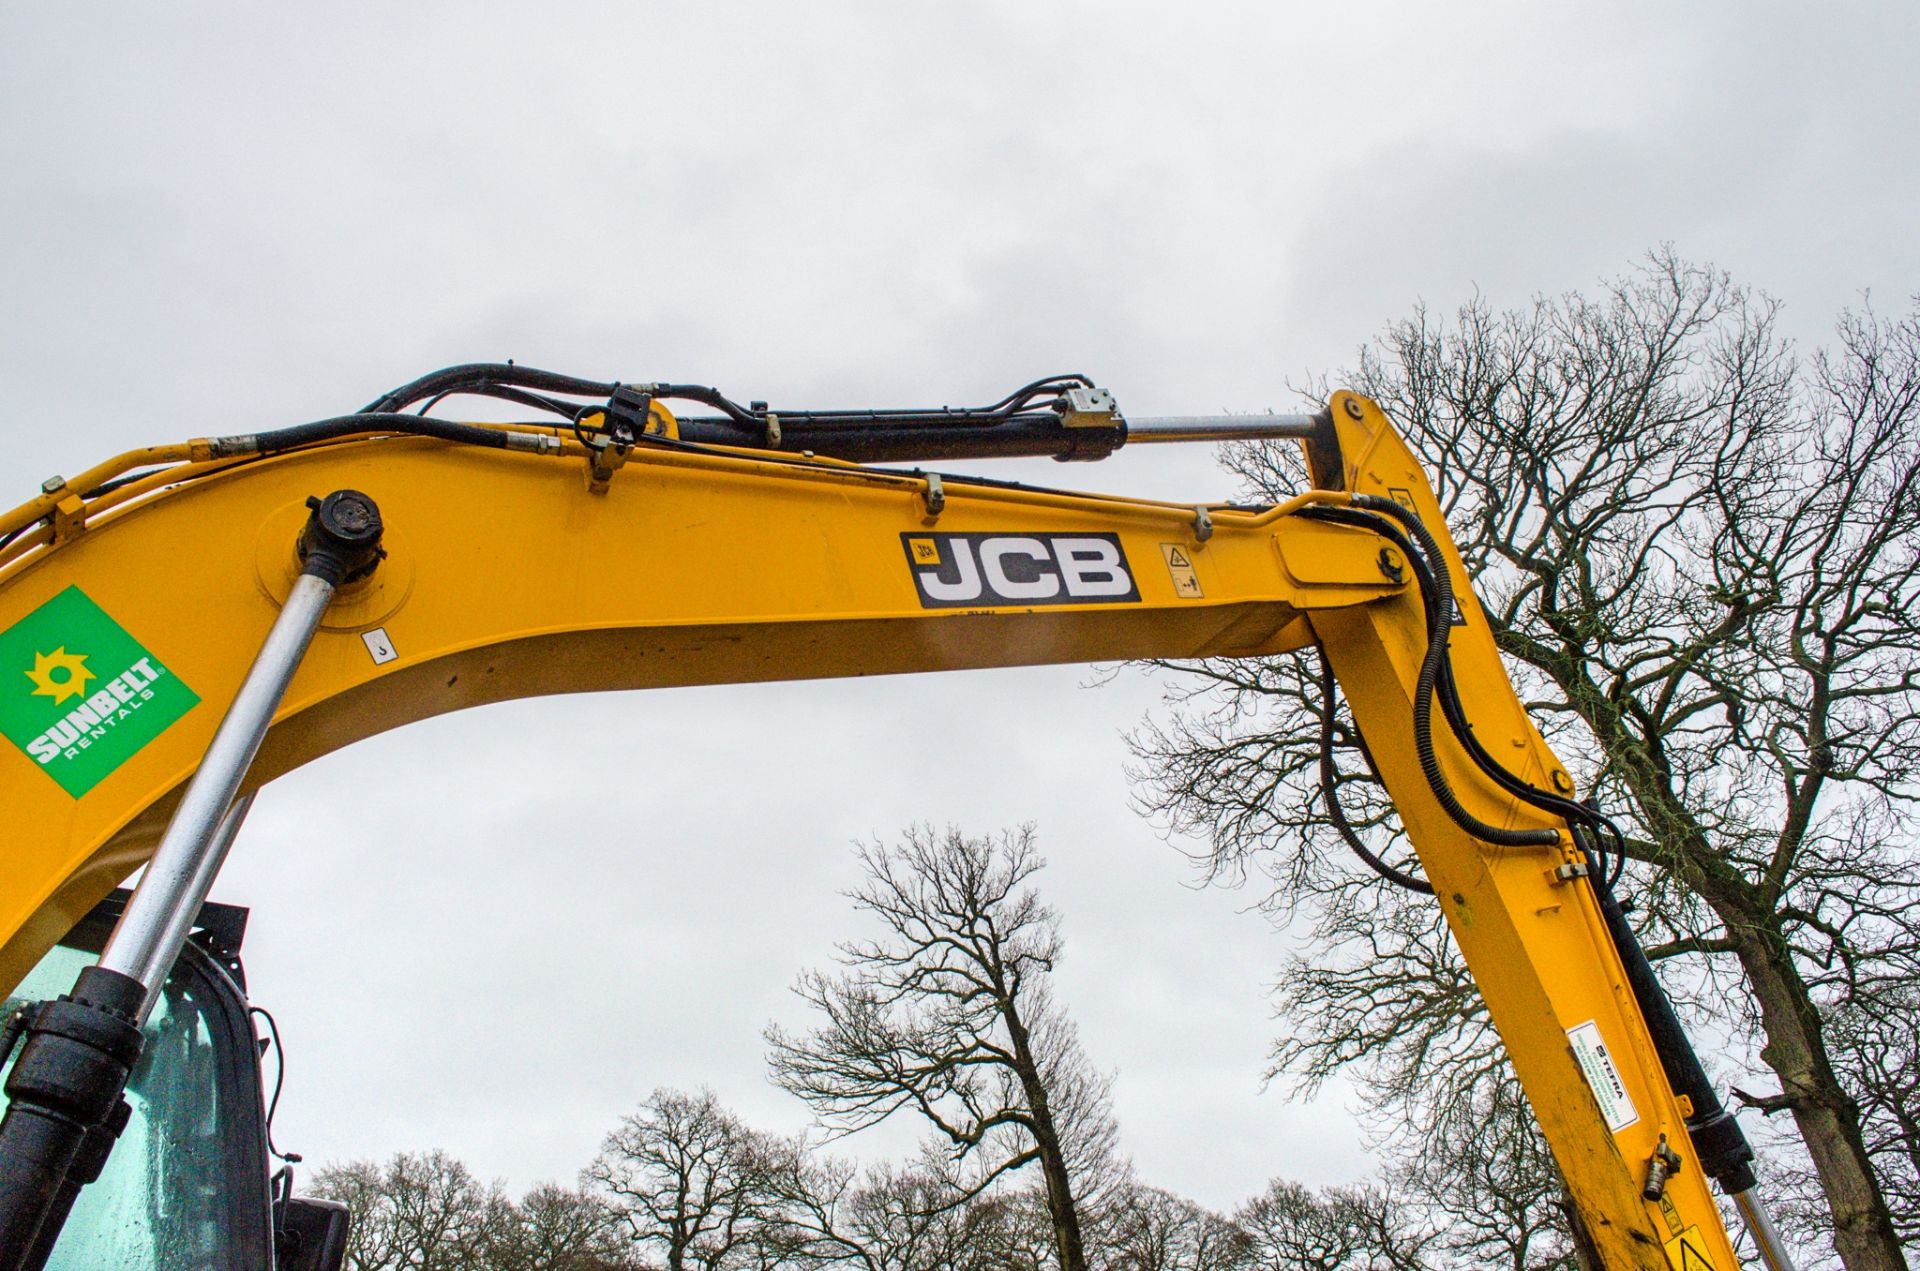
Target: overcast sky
[[221, 218]]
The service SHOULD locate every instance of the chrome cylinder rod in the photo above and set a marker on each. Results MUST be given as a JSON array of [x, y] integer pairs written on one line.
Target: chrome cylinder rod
[[149, 934], [180, 920], [1169, 428], [1773, 1253]]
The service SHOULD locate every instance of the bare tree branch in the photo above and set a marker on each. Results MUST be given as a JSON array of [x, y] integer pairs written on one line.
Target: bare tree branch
[[948, 1014]]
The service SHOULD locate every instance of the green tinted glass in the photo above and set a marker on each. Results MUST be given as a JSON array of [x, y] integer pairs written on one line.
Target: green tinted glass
[[164, 1199]]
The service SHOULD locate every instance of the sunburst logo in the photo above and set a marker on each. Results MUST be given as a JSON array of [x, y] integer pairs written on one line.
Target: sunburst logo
[[60, 675], [79, 695]]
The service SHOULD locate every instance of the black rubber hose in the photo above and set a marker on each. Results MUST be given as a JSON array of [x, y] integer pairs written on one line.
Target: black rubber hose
[[347, 425], [504, 393], [505, 380], [1425, 561], [1329, 792], [1027, 392], [1724, 1153], [475, 374], [1437, 595], [1440, 616]]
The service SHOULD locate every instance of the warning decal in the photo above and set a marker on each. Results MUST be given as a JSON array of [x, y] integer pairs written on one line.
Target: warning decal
[[1688, 1251], [1602, 1075], [1179, 558]]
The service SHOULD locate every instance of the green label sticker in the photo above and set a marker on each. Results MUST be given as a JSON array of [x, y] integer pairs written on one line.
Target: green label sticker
[[79, 694]]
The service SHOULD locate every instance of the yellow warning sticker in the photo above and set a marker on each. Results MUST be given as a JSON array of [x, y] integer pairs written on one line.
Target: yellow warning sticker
[[925, 551], [1186, 583], [1688, 1251], [1671, 1214]]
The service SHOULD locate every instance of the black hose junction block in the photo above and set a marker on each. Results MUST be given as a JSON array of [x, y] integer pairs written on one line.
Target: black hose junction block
[[341, 541], [65, 1107]]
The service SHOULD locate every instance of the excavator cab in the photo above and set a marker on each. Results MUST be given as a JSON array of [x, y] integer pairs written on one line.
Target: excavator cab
[[189, 1183]]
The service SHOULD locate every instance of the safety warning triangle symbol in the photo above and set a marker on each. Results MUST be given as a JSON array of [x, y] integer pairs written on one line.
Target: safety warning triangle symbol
[[1687, 1252], [1177, 558]]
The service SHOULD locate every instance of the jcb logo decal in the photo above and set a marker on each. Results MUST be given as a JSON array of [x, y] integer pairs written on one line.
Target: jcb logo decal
[[953, 571]]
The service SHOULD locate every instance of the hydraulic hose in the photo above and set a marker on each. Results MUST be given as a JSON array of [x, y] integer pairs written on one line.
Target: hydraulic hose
[[1724, 1153], [1437, 594], [279, 439], [480, 375], [1330, 794]]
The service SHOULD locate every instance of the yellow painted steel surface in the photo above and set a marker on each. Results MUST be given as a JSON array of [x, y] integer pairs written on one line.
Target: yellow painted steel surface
[[507, 578], [1537, 947]]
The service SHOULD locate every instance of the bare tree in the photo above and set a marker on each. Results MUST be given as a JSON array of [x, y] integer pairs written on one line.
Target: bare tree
[[688, 1178], [1702, 563], [554, 1228], [1875, 1042], [1490, 1187], [948, 1014], [891, 1219], [1878, 1041], [1288, 1228], [1019, 1231], [817, 1199], [1155, 1230], [421, 1211]]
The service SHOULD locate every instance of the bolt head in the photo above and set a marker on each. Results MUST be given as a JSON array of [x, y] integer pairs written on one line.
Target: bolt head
[[1353, 409]]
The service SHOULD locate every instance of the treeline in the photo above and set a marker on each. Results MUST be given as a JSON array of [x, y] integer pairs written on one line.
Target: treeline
[[944, 1013], [704, 1193]]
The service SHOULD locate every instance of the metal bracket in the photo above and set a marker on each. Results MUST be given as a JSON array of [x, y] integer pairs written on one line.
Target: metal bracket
[[69, 518], [1202, 524], [1090, 408], [603, 463], [1568, 872], [935, 495]]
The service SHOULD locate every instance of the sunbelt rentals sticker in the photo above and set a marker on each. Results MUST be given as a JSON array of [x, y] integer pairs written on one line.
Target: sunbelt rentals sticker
[[79, 695]]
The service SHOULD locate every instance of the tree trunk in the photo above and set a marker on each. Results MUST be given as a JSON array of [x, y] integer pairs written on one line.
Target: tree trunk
[[1829, 1120], [1053, 1163]]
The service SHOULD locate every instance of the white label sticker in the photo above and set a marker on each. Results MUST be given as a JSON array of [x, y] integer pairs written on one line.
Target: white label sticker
[[1603, 1076], [378, 645]]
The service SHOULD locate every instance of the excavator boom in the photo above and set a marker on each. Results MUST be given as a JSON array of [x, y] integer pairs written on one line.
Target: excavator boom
[[629, 548]]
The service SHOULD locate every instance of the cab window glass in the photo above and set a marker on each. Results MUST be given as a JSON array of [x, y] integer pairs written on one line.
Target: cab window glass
[[164, 1201]]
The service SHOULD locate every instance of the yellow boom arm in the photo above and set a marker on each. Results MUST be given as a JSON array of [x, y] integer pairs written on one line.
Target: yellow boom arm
[[128, 619]]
